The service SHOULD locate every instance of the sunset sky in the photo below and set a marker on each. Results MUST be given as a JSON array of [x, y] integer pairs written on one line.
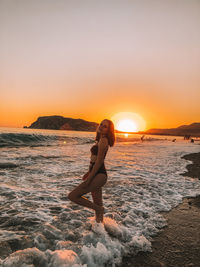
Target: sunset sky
[[94, 59]]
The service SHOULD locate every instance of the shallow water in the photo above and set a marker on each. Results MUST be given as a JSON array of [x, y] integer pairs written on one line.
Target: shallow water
[[39, 167]]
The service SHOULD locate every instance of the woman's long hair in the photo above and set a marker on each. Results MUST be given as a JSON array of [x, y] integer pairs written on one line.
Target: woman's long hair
[[110, 134]]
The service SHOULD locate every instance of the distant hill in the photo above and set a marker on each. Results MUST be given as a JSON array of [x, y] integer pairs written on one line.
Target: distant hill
[[192, 129], [62, 123]]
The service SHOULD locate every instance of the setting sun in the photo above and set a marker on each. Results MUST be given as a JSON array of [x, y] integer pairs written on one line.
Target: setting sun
[[127, 126], [128, 122]]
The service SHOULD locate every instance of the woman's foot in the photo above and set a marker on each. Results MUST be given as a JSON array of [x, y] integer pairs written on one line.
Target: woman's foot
[[99, 214]]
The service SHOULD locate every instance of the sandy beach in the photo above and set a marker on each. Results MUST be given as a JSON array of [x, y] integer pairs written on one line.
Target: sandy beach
[[178, 244]]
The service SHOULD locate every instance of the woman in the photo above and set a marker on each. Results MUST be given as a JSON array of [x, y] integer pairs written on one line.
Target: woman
[[96, 177]]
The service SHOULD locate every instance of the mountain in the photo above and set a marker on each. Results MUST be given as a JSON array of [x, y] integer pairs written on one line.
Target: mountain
[[62, 123], [191, 129]]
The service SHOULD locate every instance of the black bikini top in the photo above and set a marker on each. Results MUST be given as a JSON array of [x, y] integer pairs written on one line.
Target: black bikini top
[[94, 150]]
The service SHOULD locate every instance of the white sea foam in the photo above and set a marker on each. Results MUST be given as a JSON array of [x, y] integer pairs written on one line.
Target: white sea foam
[[144, 178]]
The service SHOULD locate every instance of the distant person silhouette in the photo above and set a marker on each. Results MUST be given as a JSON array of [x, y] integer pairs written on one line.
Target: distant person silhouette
[[96, 177]]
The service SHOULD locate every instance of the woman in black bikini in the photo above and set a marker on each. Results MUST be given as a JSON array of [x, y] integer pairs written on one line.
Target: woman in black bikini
[[96, 177]]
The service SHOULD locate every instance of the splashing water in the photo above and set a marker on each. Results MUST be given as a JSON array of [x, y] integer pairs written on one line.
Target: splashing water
[[40, 226]]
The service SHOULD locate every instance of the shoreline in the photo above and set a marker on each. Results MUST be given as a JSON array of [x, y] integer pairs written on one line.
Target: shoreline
[[178, 243], [193, 169]]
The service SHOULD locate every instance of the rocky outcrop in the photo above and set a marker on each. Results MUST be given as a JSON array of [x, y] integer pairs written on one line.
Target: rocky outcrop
[[62, 123]]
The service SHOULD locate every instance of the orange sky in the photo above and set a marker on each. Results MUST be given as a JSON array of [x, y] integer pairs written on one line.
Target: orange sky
[[93, 59]]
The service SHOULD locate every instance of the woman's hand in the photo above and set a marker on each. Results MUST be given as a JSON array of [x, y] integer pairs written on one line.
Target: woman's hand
[[85, 175], [86, 182]]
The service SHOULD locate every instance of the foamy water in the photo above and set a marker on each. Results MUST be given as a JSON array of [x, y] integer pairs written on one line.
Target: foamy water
[[39, 226]]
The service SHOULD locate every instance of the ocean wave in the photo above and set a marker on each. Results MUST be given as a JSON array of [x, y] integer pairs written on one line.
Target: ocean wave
[[138, 139], [21, 139], [34, 140]]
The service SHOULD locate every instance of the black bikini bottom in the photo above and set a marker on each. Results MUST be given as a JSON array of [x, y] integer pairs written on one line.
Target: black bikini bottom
[[102, 168]]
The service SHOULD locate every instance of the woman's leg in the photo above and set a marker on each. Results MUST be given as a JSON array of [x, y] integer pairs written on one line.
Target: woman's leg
[[76, 195], [97, 199]]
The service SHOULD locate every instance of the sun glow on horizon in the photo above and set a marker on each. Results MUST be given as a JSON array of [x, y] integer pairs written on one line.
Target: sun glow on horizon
[[127, 125], [128, 122]]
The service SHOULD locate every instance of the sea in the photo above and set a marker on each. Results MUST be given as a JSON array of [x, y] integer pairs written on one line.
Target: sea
[[40, 226]]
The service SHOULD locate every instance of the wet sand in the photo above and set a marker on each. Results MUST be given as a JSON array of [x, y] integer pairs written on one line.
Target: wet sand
[[178, 244], [194, 168]]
